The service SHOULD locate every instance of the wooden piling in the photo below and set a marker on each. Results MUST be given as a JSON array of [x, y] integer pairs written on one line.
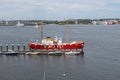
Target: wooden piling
[[24, 47], [13, 47], [6, 47], [1, 47], [18, 47]]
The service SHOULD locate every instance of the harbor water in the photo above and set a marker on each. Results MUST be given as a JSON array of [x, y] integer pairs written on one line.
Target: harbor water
[[101, 59]]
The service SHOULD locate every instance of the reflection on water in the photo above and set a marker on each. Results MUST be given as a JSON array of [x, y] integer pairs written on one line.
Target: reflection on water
[[36, 65]]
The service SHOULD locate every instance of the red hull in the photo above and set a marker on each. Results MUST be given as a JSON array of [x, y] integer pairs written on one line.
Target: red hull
[[63, 46]]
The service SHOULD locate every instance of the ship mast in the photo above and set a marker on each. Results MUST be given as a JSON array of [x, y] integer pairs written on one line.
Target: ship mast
[[41, 28], [67, 40]]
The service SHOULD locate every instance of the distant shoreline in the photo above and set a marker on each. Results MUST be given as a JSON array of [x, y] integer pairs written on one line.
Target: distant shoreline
[[69, 21]]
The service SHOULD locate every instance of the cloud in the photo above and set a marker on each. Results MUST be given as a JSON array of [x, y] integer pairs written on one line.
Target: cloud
[[40, 8]]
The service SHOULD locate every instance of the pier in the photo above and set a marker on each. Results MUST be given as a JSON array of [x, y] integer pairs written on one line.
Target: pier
[[24, 48]]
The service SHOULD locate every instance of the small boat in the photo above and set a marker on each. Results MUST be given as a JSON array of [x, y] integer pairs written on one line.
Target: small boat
[[19, 24], [55, 53], [33, 53], [10, 52], [72, 53]]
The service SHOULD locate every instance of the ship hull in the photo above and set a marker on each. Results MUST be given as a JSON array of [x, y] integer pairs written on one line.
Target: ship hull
[[64, 46]]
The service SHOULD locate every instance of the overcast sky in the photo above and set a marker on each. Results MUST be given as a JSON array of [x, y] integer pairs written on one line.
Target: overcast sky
[[58, 9]]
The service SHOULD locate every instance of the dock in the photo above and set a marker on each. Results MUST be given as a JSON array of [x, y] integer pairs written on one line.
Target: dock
[[23, 49]]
